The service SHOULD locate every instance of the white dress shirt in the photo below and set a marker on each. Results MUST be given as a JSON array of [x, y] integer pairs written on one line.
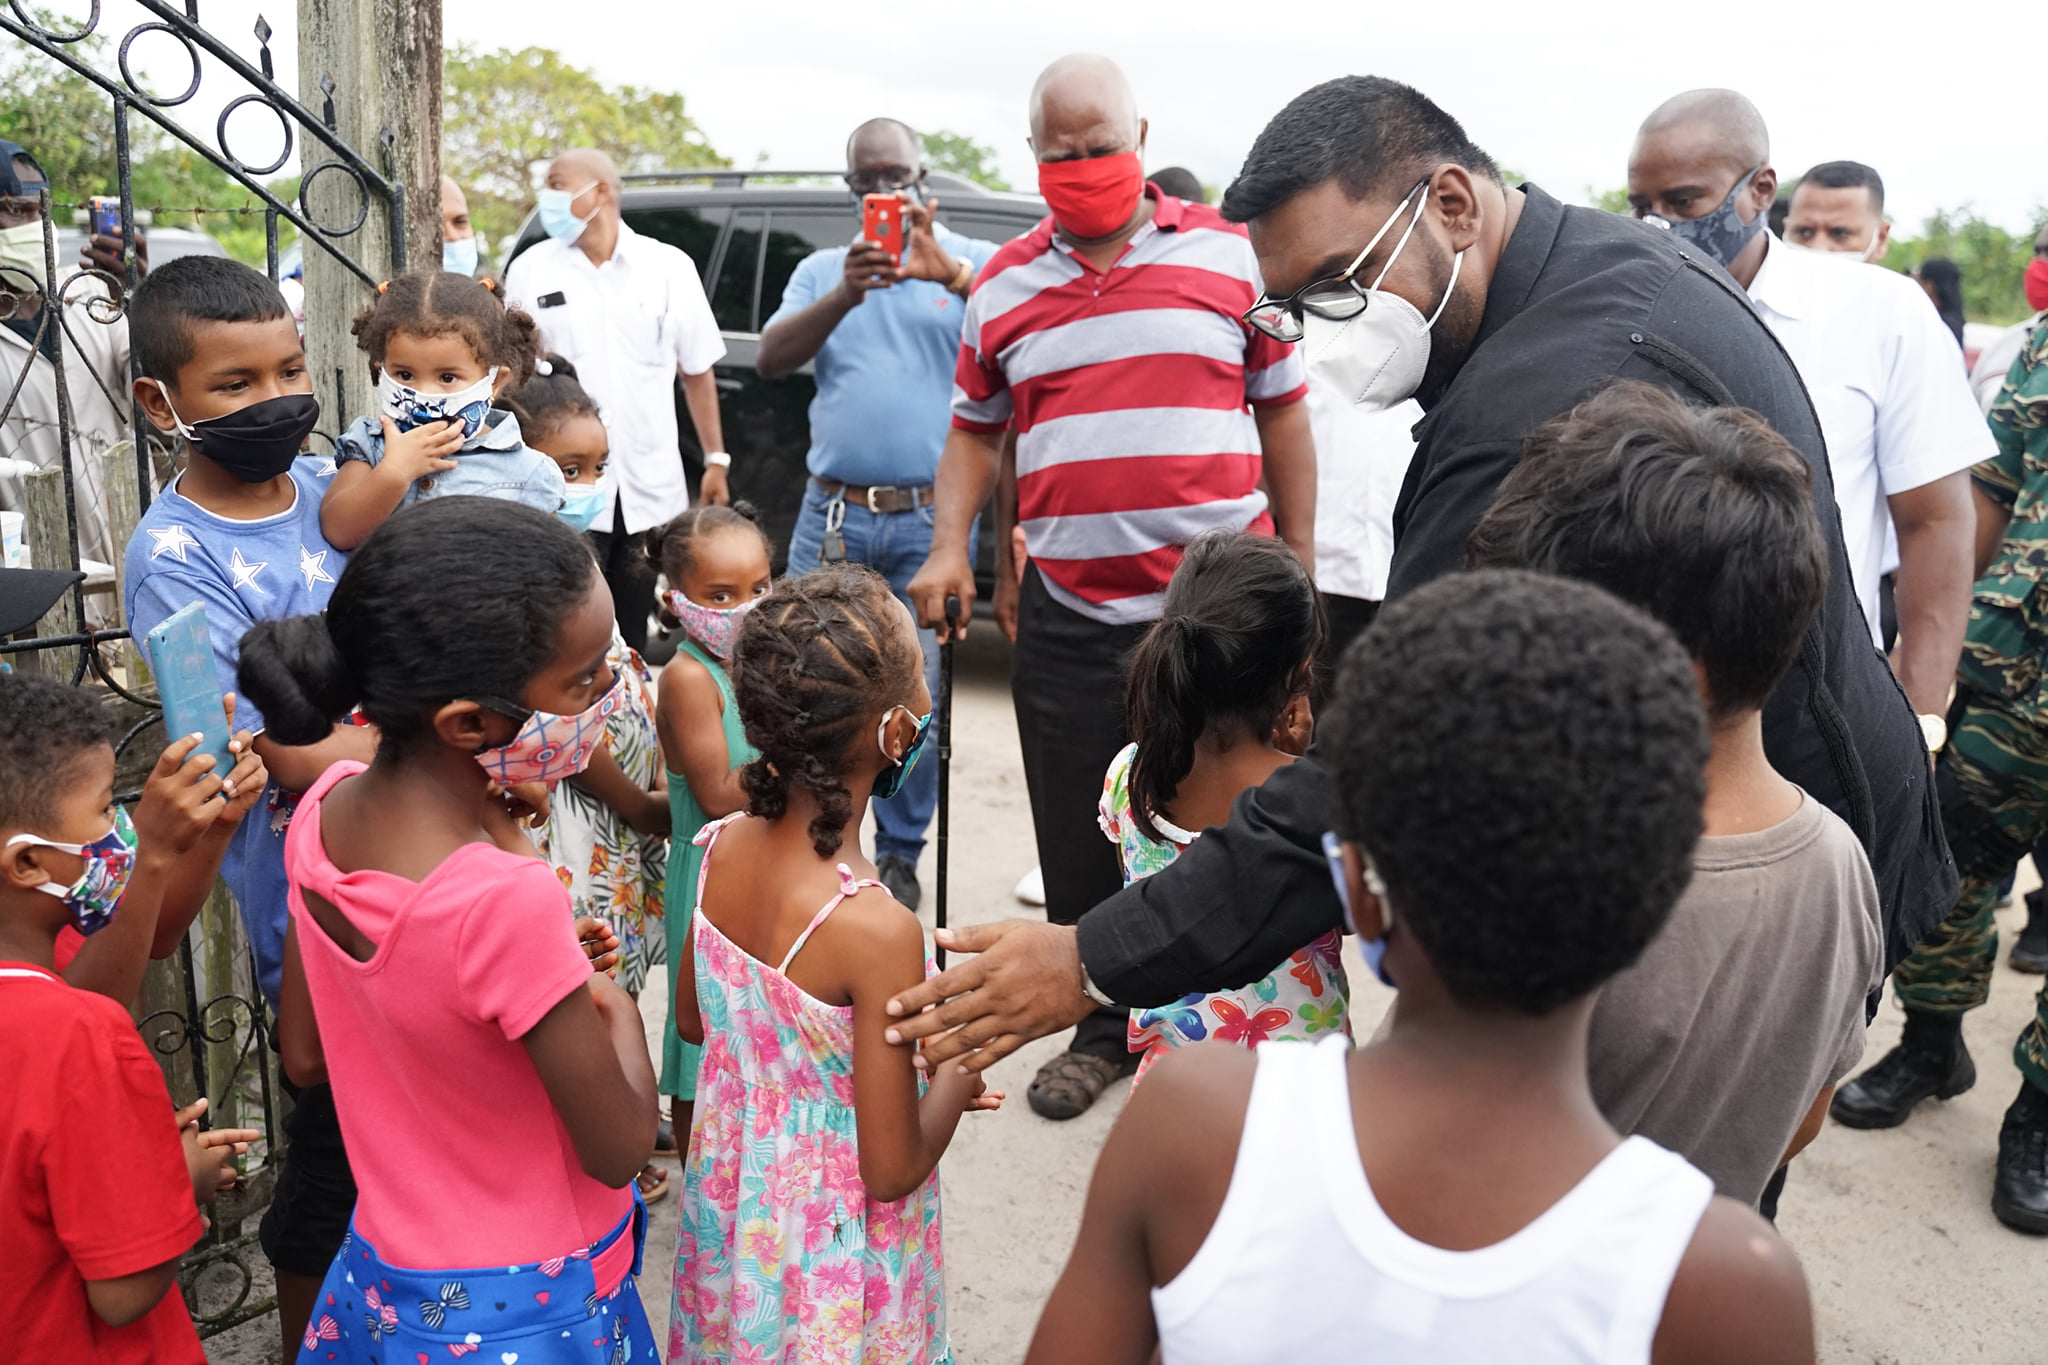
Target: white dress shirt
[[1887, 383], [1362, 458], [627, 326]]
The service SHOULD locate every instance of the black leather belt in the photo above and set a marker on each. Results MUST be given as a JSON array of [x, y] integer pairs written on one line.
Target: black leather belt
[[879, 498]]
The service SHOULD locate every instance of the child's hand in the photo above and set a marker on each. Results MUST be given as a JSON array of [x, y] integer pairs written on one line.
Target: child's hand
[[180, 799], [983, 1098], [427, 449], [599, 944], [210, 1156], [249, 779], [529, 801]]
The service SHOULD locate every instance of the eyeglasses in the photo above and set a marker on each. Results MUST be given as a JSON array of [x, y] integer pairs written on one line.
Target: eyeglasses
[[880, 182], [1336, 298]]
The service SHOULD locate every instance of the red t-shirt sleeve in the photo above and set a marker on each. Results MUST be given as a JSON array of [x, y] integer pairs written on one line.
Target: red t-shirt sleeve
[[516, 955], [120, 1195]]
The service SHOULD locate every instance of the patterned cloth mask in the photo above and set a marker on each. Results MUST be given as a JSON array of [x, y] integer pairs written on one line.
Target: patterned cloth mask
[[108, 861], [549, 747], [407, 407], [711, 627]]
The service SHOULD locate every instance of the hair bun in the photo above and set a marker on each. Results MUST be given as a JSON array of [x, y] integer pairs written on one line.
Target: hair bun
[[292, 670], [741, 507]]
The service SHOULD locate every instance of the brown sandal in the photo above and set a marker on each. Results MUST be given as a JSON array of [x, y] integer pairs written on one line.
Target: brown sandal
[[1070, 1083], [653, 1183]]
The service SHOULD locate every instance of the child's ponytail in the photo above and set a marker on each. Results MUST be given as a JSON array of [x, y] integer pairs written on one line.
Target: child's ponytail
[[1241, 622], [293, 672]]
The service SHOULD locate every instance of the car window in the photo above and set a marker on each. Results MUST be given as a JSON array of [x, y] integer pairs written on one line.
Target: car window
[[987, 226], [732, 297], [693, 231], [794, 234]]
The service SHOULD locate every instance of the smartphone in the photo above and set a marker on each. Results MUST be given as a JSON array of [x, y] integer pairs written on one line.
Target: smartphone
[[106, 215], [181, 653], [881, 222]]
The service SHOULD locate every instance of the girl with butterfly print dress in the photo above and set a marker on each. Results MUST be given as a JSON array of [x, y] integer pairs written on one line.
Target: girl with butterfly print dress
[[1216, 698], [494, 1090]]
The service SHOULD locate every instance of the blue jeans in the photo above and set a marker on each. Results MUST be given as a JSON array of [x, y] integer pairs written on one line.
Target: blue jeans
[[894, 545]]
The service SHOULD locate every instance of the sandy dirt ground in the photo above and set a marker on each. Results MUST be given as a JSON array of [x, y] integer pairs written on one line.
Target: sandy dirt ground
[[1906, 1264]]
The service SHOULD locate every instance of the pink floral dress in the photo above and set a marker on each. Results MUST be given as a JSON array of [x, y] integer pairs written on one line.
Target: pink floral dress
[[781, 1255]]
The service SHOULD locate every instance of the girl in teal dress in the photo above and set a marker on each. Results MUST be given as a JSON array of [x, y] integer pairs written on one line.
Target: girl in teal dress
[[716, 561]]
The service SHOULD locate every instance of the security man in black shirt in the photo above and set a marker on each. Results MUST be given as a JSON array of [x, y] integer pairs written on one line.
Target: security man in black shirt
[[1394, 254]]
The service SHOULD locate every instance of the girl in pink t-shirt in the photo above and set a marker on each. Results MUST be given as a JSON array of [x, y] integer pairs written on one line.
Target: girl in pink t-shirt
[[495, 1094]]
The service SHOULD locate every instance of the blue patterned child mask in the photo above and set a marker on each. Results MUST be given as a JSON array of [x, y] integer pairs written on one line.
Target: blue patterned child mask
[[108, 861], [890, 780], [407, 407]]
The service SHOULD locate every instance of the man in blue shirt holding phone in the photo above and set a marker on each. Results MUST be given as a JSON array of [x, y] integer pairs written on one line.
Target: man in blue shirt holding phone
[[885, 337]]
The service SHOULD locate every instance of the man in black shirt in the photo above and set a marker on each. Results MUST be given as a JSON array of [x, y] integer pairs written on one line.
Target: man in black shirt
[[1497, 308]]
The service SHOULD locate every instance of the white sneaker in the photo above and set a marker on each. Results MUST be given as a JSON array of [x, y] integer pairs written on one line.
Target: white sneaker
[[1031, 887]]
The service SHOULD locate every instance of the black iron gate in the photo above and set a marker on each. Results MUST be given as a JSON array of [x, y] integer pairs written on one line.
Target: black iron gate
[[202, 1011]]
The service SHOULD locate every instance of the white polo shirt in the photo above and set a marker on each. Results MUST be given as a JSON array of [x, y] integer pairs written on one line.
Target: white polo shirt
[[627, 326], [1887, 383]]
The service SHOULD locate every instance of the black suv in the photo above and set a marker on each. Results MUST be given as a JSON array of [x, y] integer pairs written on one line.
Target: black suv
[[747, 230]]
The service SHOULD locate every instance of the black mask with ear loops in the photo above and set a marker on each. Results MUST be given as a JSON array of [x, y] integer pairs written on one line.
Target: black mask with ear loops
[[255, 443]]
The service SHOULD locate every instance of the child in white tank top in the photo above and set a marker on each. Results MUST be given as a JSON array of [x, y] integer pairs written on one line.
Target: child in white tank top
[[1516, 776]]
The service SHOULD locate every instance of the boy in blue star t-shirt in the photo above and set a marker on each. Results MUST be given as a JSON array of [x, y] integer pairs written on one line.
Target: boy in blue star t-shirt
[[239, 530]]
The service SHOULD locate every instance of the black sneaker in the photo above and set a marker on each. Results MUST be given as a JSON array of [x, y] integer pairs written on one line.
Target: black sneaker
[[900, 876], [2030, 950], [2019, 1194], [1929, 1060]]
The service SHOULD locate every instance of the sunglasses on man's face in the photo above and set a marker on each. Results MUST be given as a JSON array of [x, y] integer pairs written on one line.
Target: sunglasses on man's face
[[1335, 298], [880, 182]]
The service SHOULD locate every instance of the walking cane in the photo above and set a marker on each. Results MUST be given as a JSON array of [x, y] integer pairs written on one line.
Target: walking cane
[[944, 721]]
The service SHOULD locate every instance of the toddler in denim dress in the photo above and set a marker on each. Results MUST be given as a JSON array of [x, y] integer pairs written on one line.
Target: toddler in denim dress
[[442, 347]]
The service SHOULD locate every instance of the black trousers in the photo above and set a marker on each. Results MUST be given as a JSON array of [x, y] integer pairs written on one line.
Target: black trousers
[[1067, 681], [622, 556]]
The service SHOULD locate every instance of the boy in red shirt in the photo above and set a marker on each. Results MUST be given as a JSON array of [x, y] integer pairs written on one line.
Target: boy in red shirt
[[100, 1198]]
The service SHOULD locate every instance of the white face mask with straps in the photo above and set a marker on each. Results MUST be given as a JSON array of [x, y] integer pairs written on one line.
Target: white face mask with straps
[[1376, 359]]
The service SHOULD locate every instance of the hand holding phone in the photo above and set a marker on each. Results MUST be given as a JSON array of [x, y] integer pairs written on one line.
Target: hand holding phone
[[881, 222], [181, 653]]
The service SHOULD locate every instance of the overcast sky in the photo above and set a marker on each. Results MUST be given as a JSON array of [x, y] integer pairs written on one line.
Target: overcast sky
[[1554, 91]]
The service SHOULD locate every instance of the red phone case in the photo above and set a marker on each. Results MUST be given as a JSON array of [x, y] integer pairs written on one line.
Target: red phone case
[[881, 222]]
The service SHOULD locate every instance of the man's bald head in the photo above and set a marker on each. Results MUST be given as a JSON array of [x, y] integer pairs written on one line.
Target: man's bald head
[[1722, 119], [586, 164], [884, 141], [1077, 102]]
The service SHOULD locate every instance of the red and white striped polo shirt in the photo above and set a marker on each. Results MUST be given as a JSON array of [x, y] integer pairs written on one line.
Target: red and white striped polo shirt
[[1128, 392]]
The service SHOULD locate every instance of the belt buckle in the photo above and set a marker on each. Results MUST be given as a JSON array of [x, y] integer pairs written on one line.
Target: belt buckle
[[874, 492]]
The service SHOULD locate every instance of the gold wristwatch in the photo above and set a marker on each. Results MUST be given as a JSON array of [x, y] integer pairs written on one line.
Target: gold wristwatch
[[1934, 731]]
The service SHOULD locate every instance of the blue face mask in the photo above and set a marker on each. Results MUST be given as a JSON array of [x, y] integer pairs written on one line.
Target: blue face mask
[[557, 216], [580, 506], [459, 257], [1721, 234], [1373, 950], [890, 780]]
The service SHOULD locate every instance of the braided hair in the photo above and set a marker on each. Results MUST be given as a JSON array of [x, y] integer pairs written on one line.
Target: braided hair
[[814, 663]]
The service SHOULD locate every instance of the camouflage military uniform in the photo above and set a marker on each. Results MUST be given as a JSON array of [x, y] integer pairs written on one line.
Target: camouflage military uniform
[[1993, 774]]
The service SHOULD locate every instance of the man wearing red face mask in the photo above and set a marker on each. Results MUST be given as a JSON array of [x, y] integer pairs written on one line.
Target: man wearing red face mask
[[1109, 340]]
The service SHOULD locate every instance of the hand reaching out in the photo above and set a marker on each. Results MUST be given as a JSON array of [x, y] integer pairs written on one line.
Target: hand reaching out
[[249, 779], [600, 944], [210, 1155]]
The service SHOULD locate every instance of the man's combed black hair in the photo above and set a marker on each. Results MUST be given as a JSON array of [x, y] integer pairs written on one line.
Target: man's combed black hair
[[1702, 517], [1232, 646], [452, 598], [44, 727], [1847, 175], [1522, 759], [1366, 132], [812, 665], [193, 289]]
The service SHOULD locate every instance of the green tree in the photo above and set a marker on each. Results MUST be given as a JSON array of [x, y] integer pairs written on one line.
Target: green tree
[[963, 156], [505, 113], [1610, 201], [1990, 258]]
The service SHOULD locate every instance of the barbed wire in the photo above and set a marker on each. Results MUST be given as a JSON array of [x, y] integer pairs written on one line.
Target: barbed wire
[[240, 211]]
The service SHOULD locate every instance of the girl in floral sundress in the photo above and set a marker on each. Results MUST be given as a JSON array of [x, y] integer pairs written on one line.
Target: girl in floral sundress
[[1217, 700], [810, 1210]]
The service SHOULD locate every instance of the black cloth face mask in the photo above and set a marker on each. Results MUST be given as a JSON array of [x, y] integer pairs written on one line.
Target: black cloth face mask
[[255, 443]]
